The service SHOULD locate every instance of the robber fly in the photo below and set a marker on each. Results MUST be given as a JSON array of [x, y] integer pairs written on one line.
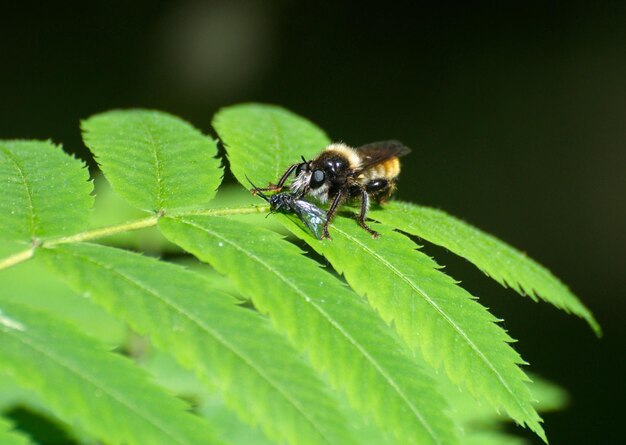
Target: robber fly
[[313, 217], [341, 173]]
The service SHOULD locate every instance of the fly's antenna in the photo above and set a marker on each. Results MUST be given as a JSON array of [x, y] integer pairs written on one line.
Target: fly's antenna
[[304, 160], [257, 191]]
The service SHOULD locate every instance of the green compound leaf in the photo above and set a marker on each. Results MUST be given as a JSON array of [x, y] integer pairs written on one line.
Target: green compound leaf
[[152, 159], [9, 436], [44, 191], [267, 139], [256, 370], [405, 286], [86, 385], [342, 335], [498, 260], [430, 312]]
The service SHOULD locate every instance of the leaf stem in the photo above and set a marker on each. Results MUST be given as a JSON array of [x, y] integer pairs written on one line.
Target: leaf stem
[[142, 223], [224, 212], [104, 231], [17, 258]]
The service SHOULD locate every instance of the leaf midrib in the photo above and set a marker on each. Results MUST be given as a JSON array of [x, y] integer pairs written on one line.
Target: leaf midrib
[[156, 155], [215, 335], [332, 322], [278, 138], [446, 318], [111, 393], [29, 193]]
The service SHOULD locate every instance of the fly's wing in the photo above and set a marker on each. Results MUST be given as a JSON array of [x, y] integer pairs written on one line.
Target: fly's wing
[[377, 152], [312, 216]]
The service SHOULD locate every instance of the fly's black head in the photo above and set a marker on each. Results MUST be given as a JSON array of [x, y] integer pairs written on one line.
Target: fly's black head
[[326, 169], [303, 167], [301, 183]]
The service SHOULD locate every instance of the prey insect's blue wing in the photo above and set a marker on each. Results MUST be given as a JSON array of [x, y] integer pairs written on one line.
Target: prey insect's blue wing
[[312, 216]]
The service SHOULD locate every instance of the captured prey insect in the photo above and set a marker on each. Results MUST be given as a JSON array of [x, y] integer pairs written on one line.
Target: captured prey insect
[[311, 216], [341, 173]]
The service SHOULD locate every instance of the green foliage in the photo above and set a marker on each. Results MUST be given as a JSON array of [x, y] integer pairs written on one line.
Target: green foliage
[[45, 192], [256, 371], [431, 312], [10, 437], [267, 140], [78, 309], [150, 158], [407, 288], [265, 345], [343, 338], [501, 262], [478, 417], [45, 355], [494, 438]]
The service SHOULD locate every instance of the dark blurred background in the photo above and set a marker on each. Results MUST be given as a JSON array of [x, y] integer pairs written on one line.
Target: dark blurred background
[[516, 114]]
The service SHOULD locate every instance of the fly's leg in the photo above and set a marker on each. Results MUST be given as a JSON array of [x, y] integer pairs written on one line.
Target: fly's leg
[[339, 198], [365, 203], [281, 182]]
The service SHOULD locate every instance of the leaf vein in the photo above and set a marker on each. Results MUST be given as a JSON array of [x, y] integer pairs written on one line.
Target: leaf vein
[[278, 138], [29, 193], [157, 162]]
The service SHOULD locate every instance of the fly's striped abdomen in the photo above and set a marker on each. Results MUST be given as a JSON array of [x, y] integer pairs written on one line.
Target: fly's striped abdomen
[[389, 169]]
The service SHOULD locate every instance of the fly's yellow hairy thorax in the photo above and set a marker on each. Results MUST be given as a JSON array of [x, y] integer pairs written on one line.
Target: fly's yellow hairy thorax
[[346, 152]]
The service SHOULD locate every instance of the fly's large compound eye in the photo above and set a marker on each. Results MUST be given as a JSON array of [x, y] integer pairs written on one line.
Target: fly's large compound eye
[[317, 179]]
